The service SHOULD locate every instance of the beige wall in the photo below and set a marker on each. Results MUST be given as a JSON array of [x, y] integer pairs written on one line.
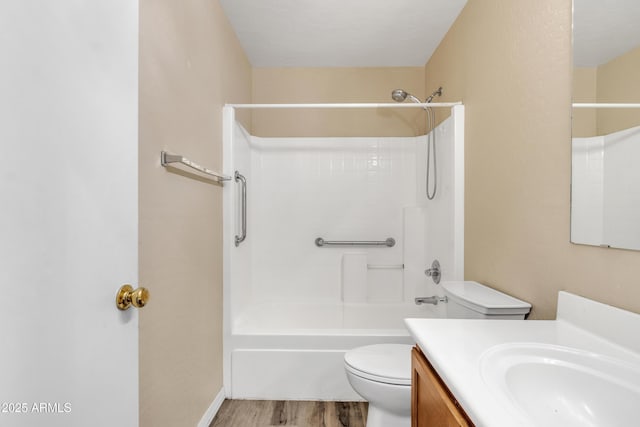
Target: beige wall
[[510, 62], [584, 90], [615, 81], [190, 64], [320, 85], [618, 82]]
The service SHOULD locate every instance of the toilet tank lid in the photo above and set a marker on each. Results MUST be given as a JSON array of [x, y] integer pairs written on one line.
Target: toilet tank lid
[[484, 299]]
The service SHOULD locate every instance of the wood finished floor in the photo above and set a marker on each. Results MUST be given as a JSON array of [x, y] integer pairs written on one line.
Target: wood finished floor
[[262, 413]]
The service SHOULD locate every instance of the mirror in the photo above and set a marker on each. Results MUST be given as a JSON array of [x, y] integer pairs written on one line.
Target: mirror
[[605, 171]]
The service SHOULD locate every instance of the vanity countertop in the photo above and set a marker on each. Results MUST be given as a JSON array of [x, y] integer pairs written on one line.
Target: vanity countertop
[[470, 355]]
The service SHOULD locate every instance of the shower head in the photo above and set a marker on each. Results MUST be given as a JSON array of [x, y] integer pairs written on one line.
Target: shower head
[[400, 95]]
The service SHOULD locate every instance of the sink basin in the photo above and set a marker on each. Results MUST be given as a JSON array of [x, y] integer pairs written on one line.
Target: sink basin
[[560, 386]]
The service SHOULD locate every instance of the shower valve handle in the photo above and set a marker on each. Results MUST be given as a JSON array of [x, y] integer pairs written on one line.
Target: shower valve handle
[[434, 272]]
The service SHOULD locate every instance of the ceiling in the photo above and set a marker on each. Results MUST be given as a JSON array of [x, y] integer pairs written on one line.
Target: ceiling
[[397, 33], [603, 30], [340, 33]]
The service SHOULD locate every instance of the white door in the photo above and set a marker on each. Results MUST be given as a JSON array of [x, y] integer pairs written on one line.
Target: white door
[[68, 212]]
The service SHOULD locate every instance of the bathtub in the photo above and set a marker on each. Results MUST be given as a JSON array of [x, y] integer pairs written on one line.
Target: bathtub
[[295, 351]]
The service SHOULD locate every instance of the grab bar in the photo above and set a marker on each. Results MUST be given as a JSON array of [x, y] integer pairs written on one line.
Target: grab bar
[[320, 242], [240, 239], [385, 267], [166, 159]]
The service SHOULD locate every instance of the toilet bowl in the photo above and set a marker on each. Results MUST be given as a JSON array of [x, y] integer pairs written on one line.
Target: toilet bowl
[[381, 373]]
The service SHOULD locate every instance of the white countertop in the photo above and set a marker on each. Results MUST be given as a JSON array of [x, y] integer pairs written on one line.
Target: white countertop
[[455, 348]]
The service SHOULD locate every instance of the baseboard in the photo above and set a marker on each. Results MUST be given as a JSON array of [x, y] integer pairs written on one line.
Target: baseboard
[[212, 410]]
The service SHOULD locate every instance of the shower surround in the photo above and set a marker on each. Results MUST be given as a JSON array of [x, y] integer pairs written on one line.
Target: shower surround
[[291, 308]]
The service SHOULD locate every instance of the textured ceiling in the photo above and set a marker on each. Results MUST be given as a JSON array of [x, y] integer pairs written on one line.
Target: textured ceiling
[[604, 29], [393, 33], [340, 33]]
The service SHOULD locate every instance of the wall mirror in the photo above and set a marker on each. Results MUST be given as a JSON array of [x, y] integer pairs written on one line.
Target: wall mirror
[[605, 169]]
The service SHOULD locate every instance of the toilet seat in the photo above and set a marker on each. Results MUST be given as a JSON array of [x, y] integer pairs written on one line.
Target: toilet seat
[[383, 363]]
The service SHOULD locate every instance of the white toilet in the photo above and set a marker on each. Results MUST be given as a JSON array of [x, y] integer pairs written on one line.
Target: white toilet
[[381, 373]]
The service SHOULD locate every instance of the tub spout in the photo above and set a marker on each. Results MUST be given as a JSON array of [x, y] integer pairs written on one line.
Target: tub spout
[[430, 300]]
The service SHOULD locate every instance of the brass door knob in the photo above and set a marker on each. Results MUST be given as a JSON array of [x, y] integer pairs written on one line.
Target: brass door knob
[[127, 297]]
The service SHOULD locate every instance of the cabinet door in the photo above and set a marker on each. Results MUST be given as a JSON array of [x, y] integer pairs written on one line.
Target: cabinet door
[[431, 402]]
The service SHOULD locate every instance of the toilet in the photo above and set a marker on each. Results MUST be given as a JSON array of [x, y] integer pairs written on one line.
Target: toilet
[[381, 373]]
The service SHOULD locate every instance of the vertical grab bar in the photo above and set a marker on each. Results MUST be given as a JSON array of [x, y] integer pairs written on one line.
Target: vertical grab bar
[[239, 178]]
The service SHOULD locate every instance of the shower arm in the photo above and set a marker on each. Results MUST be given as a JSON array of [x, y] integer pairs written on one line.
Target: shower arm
[[437, 92]]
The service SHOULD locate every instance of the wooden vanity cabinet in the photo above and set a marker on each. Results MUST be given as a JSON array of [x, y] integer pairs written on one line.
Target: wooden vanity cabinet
[[432, 404]]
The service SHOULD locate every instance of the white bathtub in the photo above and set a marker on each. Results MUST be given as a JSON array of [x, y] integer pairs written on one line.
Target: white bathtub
[[281, 351]]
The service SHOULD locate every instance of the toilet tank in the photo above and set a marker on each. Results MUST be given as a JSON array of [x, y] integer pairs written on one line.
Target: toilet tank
[[472, 300]]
